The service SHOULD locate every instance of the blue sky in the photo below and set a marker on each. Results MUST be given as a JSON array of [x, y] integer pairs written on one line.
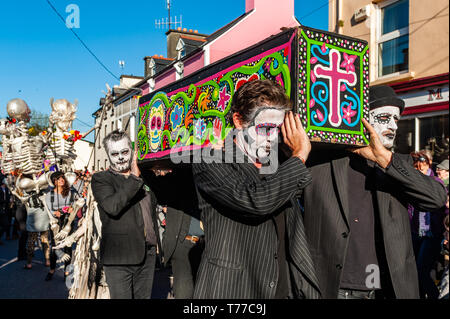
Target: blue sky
[[40, 58]]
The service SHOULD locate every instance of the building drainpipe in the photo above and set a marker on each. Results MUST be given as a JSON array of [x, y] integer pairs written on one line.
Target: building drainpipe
[[417, 134], [338, 16]]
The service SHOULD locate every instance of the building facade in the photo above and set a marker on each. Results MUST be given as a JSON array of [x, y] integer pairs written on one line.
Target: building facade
[[187, 52], [84, 150], [409, 50]]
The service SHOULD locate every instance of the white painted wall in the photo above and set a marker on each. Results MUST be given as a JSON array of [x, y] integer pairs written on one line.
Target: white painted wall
[[83, 149]]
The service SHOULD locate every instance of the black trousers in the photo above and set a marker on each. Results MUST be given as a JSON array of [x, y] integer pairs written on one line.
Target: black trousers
[[4, 225], [185, 262], [132, 281], [427, 251]]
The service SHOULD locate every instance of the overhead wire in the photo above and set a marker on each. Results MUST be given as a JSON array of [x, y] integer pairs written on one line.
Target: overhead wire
[[82, 42]]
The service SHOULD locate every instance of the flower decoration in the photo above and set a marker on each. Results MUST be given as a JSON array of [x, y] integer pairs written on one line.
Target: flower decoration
[[348, 62], [176, 116], [348, 113], [223, 99], [199, 128], [73, 136], [11, 120]]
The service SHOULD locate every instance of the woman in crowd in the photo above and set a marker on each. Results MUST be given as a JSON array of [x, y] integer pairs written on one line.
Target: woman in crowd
[[427, 232], [59, 201]]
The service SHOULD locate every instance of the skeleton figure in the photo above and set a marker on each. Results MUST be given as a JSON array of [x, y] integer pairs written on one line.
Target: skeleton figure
[[23, 152], [59, 141], [7, 131]]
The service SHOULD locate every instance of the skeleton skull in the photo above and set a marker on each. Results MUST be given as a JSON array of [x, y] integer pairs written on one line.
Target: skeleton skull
[[63, 113], [19, 110]]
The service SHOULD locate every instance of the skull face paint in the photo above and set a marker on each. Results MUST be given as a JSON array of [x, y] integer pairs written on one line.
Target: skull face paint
[[261, 136], [119, 154], [384, 121], [155, 125]]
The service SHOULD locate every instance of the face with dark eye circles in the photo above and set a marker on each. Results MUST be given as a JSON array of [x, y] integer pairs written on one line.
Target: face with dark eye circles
[[119, 154], [384, 120]]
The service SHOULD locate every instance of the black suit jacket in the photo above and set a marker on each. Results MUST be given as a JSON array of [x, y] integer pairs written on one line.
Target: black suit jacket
[[177, 228], [118, 197], [238, 206], [327, 225], [175, 190]]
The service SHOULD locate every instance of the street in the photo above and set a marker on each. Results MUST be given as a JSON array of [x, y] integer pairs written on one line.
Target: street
[[19, 283]]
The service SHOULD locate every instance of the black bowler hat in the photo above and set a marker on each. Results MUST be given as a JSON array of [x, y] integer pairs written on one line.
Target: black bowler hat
[[55, 176], [383, 95]]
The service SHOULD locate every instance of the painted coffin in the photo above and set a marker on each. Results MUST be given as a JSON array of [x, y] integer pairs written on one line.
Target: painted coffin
[[327, 84], [333, 83]]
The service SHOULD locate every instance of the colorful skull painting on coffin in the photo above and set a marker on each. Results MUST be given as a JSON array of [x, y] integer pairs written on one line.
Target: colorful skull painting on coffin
[[155, 125]]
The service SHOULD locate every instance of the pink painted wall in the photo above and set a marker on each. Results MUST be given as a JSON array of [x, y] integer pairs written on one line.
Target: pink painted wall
[[165, 79], [266, 20], [145, 89], [194, 63]]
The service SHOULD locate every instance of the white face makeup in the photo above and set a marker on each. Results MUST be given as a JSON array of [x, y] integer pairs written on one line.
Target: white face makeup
[[259, 138], [384, 121], [119, 154]]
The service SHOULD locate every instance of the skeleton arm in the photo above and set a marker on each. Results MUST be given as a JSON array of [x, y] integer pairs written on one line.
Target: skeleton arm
[[53, 221], [72, 238], [75, 208], [96, 126], [23, 199]]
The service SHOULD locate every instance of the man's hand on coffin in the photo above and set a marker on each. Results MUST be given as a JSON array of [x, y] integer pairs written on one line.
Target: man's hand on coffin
[[295, 137], [134, 167]]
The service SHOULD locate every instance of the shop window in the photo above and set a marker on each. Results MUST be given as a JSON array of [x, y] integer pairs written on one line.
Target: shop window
[[434, 136], [393, 38]]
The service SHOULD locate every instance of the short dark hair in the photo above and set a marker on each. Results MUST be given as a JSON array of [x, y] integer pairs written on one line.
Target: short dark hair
[[115, 136], [256, 93]]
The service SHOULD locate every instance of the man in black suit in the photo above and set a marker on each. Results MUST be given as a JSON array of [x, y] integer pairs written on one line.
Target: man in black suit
[[356, 216], [127, 211], [183, 237], [255, 246], [183, 245]]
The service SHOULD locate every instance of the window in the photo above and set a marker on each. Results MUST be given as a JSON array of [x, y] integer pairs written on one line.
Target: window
[[434, 133], [393, 38], [416, 133], [99, 140]]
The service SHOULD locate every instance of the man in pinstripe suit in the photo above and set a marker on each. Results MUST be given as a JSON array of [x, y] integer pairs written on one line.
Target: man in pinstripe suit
[[356, 216], [255, 244]]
